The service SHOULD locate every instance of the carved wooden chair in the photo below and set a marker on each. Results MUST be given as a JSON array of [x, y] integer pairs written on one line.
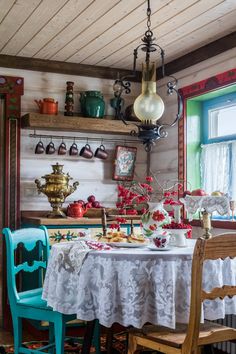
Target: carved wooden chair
[[29, 304], [190, 338]]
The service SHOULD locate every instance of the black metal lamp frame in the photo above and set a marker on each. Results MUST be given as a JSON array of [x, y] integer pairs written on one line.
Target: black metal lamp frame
[[148, 133]]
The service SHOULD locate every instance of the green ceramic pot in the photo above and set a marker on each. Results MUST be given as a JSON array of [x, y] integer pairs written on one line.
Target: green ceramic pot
[[92, 104]]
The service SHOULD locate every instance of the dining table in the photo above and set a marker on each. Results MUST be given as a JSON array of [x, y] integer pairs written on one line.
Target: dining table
[[132, 284]]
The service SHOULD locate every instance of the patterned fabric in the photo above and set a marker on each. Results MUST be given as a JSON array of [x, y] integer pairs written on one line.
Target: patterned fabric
[[134, 286], [210, 204], [72, 255]]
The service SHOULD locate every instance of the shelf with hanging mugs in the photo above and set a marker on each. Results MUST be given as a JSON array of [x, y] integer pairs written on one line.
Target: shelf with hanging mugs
[[85, 151], [106, 125]]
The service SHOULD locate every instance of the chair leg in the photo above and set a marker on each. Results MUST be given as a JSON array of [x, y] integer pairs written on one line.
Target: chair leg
[[59, 331], [51, 337], [132, 344], [96, 337], [17, 328]]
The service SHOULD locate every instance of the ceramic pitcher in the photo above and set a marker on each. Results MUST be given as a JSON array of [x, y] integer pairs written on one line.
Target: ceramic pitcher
[[92, 104], [154, 219]]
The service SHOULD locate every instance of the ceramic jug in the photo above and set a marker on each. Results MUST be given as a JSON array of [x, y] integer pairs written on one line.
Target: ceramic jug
[[154, 219], [92, 104]]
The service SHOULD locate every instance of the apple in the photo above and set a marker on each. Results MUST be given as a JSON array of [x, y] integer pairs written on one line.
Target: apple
[[95, 204], [216, 194], [186, 193], [91, 199], [199, 192]]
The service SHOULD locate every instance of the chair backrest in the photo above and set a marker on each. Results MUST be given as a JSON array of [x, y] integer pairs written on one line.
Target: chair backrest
[[219, 247], [29, 239]]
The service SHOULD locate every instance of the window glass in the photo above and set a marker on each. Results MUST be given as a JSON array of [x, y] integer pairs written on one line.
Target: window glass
[[222, 122]]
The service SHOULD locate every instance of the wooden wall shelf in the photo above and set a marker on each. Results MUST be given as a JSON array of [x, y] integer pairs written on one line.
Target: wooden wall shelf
[[78, 124]]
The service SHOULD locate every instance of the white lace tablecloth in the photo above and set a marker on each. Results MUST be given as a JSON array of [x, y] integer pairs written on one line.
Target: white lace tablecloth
[[132, 286]]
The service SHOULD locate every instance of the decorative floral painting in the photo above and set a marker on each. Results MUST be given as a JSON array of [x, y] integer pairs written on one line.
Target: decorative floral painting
[[124, 163]]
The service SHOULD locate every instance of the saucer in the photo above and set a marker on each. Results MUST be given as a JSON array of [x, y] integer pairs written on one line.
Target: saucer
[[154, 248]]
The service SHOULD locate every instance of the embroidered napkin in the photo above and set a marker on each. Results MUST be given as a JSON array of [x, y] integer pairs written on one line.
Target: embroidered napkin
[[72, 255]]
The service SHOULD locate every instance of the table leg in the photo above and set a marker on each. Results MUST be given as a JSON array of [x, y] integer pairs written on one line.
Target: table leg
[[88, 336], [109, 340]]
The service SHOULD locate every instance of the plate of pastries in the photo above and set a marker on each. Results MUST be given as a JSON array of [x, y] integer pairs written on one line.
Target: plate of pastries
[[120, 239]]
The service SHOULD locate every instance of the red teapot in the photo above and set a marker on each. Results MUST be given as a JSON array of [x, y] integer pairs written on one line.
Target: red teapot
[[77, 209], [47, 106]]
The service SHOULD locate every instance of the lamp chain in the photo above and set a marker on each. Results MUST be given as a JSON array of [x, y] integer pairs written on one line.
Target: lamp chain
[[149, 12]]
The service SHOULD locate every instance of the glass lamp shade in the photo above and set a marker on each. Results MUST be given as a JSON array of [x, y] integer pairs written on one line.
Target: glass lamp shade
[[149, 106]]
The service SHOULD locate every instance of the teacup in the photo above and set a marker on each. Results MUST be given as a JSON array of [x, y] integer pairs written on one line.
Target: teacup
[[161, 240], [50, 148], [73, 150], [101, 152], [62, 149], [39, 148], [86, 152]]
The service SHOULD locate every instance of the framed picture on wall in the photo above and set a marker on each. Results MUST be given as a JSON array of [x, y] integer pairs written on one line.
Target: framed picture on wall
[[124, 165]]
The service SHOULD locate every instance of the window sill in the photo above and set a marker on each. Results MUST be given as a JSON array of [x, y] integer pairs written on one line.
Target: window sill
[[218, 224]]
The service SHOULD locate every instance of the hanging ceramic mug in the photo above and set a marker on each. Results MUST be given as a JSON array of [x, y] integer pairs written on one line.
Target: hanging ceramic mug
[[73, 149], [50, 148], [39, 148], [86, 152], [62, 149], [101, 152]]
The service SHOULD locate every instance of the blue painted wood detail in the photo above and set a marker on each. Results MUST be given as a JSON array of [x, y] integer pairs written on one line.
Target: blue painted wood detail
[[29, 268], [214, 103], [29, 304]]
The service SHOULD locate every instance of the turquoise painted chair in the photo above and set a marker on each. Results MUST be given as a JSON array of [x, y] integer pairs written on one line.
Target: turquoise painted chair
[[29, 304]]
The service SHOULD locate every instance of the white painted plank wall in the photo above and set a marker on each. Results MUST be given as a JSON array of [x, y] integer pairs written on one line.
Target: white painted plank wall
[[95, 176]]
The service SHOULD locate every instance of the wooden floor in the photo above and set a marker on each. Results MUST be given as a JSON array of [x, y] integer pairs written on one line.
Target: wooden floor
[[7, 337]]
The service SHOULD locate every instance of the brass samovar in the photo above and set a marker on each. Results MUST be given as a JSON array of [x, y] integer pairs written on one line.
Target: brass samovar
[[56, 189]]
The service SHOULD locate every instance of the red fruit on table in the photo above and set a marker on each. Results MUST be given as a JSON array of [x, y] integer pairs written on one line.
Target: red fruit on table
[[186, 193], [95, 204], [91, 199], [198, 192]]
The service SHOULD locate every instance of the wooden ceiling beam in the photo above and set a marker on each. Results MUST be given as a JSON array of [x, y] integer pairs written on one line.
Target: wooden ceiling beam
[[53, 66], [206, 52], [203, 53]]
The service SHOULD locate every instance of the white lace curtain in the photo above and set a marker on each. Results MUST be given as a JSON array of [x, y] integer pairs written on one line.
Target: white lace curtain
[[218, 168]]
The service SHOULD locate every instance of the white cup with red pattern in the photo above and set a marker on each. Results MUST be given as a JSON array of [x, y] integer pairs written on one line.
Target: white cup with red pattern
[[162, 239]]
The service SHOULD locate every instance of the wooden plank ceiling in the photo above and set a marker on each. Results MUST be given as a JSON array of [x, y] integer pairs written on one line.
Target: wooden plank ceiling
[[104, 33]]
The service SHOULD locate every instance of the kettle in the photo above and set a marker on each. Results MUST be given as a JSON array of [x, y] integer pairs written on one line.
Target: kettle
[[77, 210], [47, 106]]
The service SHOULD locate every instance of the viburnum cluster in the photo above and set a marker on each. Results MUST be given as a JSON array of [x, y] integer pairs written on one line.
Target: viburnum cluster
[[133, 194], [116, 226], [181, 225], [170, 195]]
